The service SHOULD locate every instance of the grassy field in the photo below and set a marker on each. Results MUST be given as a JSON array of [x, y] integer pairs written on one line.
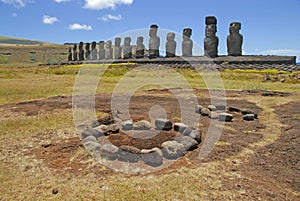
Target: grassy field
[[25, 178]]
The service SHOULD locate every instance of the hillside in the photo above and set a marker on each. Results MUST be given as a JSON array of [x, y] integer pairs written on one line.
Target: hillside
[[4, 40]]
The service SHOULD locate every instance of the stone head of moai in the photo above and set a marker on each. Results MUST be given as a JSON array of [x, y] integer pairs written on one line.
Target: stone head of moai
[[153, 30], [117, 42], [187, 32], [87, 46], [108, 44], [94, 44], [210, 30], [139, 40], [74, 47], [234, 27], [101, 44], [170, 36], [81, 45], [127, 41]]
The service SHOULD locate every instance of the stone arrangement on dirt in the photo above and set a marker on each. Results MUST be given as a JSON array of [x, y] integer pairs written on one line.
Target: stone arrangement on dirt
[[112, 138], [222, 114], [184, 138]]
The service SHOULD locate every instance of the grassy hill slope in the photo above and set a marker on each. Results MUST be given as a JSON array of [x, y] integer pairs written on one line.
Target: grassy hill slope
[[4, 40]]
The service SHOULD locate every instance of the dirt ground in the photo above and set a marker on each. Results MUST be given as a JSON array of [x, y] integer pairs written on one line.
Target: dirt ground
[[272, 166]]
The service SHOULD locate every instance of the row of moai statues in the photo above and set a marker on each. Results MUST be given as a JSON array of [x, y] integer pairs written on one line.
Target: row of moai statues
[[211, 42]]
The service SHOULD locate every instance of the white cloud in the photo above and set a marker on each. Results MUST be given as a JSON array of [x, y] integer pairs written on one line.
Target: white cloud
[[283, 52], [16, 3], [61, 1], [49, 20], [103, 4], [14, 14], [77, 26], [108, 17]]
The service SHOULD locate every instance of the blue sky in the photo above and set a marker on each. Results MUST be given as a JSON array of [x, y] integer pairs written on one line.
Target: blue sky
[[268, 26]]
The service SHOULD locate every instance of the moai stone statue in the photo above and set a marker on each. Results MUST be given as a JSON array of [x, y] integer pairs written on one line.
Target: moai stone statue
[[75, 53], [211, 41], [140, 47], [187, 43], [108, 50], [234, 40], [101, 50], [81, 52], [94, 51], [87, 51], [127, 49], [154, 42], [171, 45], [117, 49], [70, 56]]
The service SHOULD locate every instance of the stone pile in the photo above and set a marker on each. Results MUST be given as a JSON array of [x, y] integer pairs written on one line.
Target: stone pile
[[221, 113], [187, 139]]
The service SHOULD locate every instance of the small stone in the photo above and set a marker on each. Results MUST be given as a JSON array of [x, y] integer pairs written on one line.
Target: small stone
[[198, 108], [180, 127], [163, 124], [233, 109], [212, 108], [54, 191], [282, 80], [127, 125], [214, 115], [249, 117], [90, 132], [153, 157], [244, 112], [142, 125], [89, 139], [112, 129], [225, 117], [221, 107], [129, 154], [109, 151], [205, 112], [92, 146], [172, 149], [196, 135], [188, 143], [188, 130], [102, 128]]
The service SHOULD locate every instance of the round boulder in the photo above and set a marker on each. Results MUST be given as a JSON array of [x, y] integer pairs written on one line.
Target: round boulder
[[142, 125], [129, 154], [153, 157], [212, 108], [196, 135], [163, 124], [109, 151], [233, 109], [249, 117], [225, 116], [172, 149], [90, 132], [214, 115], [127, 125], [198, 108], [205, 112], [180, 127], [244, 112], [188, 143]]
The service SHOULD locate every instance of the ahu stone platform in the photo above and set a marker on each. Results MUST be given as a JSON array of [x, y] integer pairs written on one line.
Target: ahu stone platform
[[289, 60], [251, 62]]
